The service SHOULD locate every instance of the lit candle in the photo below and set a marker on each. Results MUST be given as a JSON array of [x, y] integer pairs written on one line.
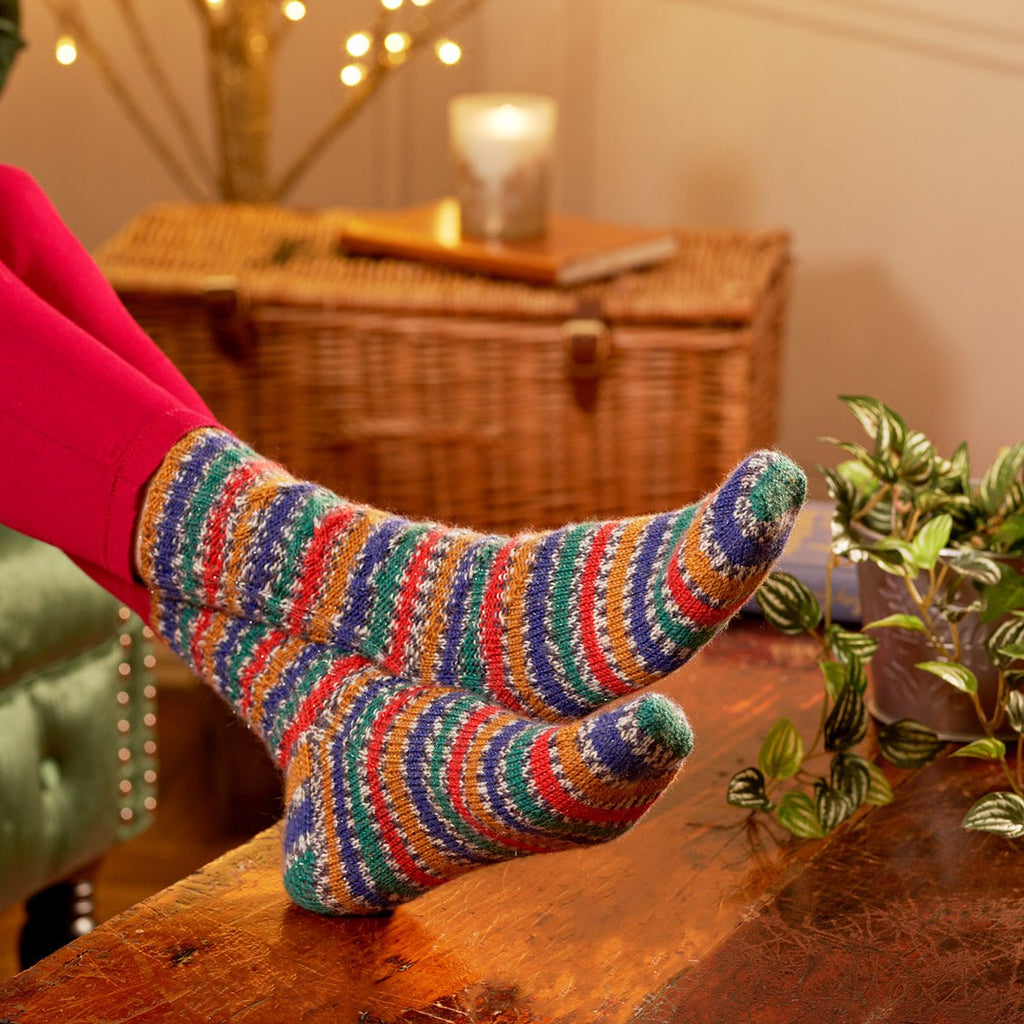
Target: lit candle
[[501, 156]]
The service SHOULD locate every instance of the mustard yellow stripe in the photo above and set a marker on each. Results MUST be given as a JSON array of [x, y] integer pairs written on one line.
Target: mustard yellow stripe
[[436, 615], [334, 588], [513, 603], [256, 499], [156, 497], [618, 632], [400, 800]]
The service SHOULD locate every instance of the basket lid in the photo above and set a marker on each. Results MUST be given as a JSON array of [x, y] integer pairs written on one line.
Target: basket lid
[[292, 258]]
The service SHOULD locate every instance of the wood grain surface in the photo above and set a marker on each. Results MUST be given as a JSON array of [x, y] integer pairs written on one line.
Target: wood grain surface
[[694, 916]]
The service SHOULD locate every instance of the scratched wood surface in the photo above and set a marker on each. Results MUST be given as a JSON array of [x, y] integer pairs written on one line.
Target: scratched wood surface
[[692, 917]]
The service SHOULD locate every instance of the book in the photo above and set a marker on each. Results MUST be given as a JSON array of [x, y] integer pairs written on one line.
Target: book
[[573, 251], [805, 557]]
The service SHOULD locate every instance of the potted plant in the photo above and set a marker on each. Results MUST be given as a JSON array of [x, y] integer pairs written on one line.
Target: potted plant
[[947, 551]]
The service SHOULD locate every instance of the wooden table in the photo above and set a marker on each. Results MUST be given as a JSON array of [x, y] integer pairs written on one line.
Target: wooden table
[[695, 916]]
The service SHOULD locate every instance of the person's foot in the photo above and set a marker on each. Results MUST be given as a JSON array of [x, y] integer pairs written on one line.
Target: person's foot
[[393, 788], [551, 625]]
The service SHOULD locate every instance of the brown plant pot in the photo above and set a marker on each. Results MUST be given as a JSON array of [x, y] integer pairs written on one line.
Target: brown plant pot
[[900, 690]]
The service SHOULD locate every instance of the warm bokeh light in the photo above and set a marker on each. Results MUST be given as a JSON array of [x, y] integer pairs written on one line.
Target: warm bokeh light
[[391, 5], [358, 45], [396, 42], [448, 52], [66, 50], [421, 3], [352, 74], [294, 10]]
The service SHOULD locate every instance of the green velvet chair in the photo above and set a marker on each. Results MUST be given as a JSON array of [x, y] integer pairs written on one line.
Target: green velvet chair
[[77, 753]]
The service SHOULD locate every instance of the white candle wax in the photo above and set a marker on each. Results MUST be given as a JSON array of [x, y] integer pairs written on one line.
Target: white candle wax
[[501, 154]]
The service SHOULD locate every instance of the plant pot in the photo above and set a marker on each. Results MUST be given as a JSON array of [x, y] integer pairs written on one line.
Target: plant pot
[[898, 689]]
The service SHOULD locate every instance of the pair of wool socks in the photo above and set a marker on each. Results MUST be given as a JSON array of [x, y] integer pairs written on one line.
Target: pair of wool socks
[[401, 673]]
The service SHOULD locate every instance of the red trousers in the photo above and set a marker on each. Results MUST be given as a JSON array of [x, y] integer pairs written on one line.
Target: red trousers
[[89, 406]]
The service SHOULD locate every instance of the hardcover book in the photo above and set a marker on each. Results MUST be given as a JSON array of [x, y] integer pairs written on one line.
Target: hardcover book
[[573, 251]]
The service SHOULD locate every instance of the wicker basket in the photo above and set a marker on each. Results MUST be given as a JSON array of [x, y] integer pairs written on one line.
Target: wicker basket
[[441, 394]]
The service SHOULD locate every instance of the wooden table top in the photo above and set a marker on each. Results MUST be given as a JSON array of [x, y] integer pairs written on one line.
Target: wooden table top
[[694, 916]]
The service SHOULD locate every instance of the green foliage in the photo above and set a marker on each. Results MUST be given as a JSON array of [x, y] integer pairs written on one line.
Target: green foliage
[[10, 39], [957, 543]]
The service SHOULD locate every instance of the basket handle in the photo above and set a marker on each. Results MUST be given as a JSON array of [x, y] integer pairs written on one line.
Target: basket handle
[[588, 347], [231, 325]]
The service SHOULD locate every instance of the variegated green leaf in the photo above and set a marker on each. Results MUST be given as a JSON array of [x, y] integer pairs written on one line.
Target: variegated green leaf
[[846, 645], [833, 807], [1001, 475], [1001, 813], [908, 744], [788, 605], [898, 620], [835, 674], [930, 540], [1015, 710], [797, 814], [782, 751], [917, 461], [851, 775], [879, 792], [975, 566], [958, 676], [987, 749], [847, 722], [747, 789], [1007, 635]]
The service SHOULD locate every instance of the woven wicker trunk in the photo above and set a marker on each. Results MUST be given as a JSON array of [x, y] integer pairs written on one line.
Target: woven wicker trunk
[[436, 393]]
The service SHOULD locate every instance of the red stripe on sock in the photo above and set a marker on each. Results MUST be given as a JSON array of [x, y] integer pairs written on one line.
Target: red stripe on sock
[[406, 606], [596, 661], [314, 701], [492, 647], [551, 789], [213, 569], [456, 769], [258, 662], [202, 625], [316, 557], [389, 831]]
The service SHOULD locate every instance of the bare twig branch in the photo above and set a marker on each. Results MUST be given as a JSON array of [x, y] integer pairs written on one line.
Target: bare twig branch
[[67, 15], [357, 98], [165, 89]]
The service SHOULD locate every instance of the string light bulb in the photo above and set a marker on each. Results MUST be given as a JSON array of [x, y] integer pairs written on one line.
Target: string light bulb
[[421, 3], [293, 10], [352, 74], [448, 51], [396, 42], [358, 44], [66, 50], [391, 5], [215, 5]]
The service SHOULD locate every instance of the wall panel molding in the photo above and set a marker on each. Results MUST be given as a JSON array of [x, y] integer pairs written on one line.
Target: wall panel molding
[[990, 36]]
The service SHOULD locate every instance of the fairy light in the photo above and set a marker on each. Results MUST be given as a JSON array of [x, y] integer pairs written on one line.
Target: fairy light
[[66, 50], [293, 10], [215, 5], [352, 74], [358, 45], [396, 42], [421, 3], [391, 5], [448, 52]]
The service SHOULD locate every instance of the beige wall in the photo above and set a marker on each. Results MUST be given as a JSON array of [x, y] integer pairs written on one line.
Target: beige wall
[[887, 137]]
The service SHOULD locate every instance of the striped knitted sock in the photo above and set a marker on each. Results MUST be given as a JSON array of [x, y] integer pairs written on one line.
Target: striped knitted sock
[[551, 625], [392, 788]]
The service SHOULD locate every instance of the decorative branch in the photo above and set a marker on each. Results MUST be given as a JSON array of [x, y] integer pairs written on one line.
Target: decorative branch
[[361, 94], [66, 14], [165, 89]]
